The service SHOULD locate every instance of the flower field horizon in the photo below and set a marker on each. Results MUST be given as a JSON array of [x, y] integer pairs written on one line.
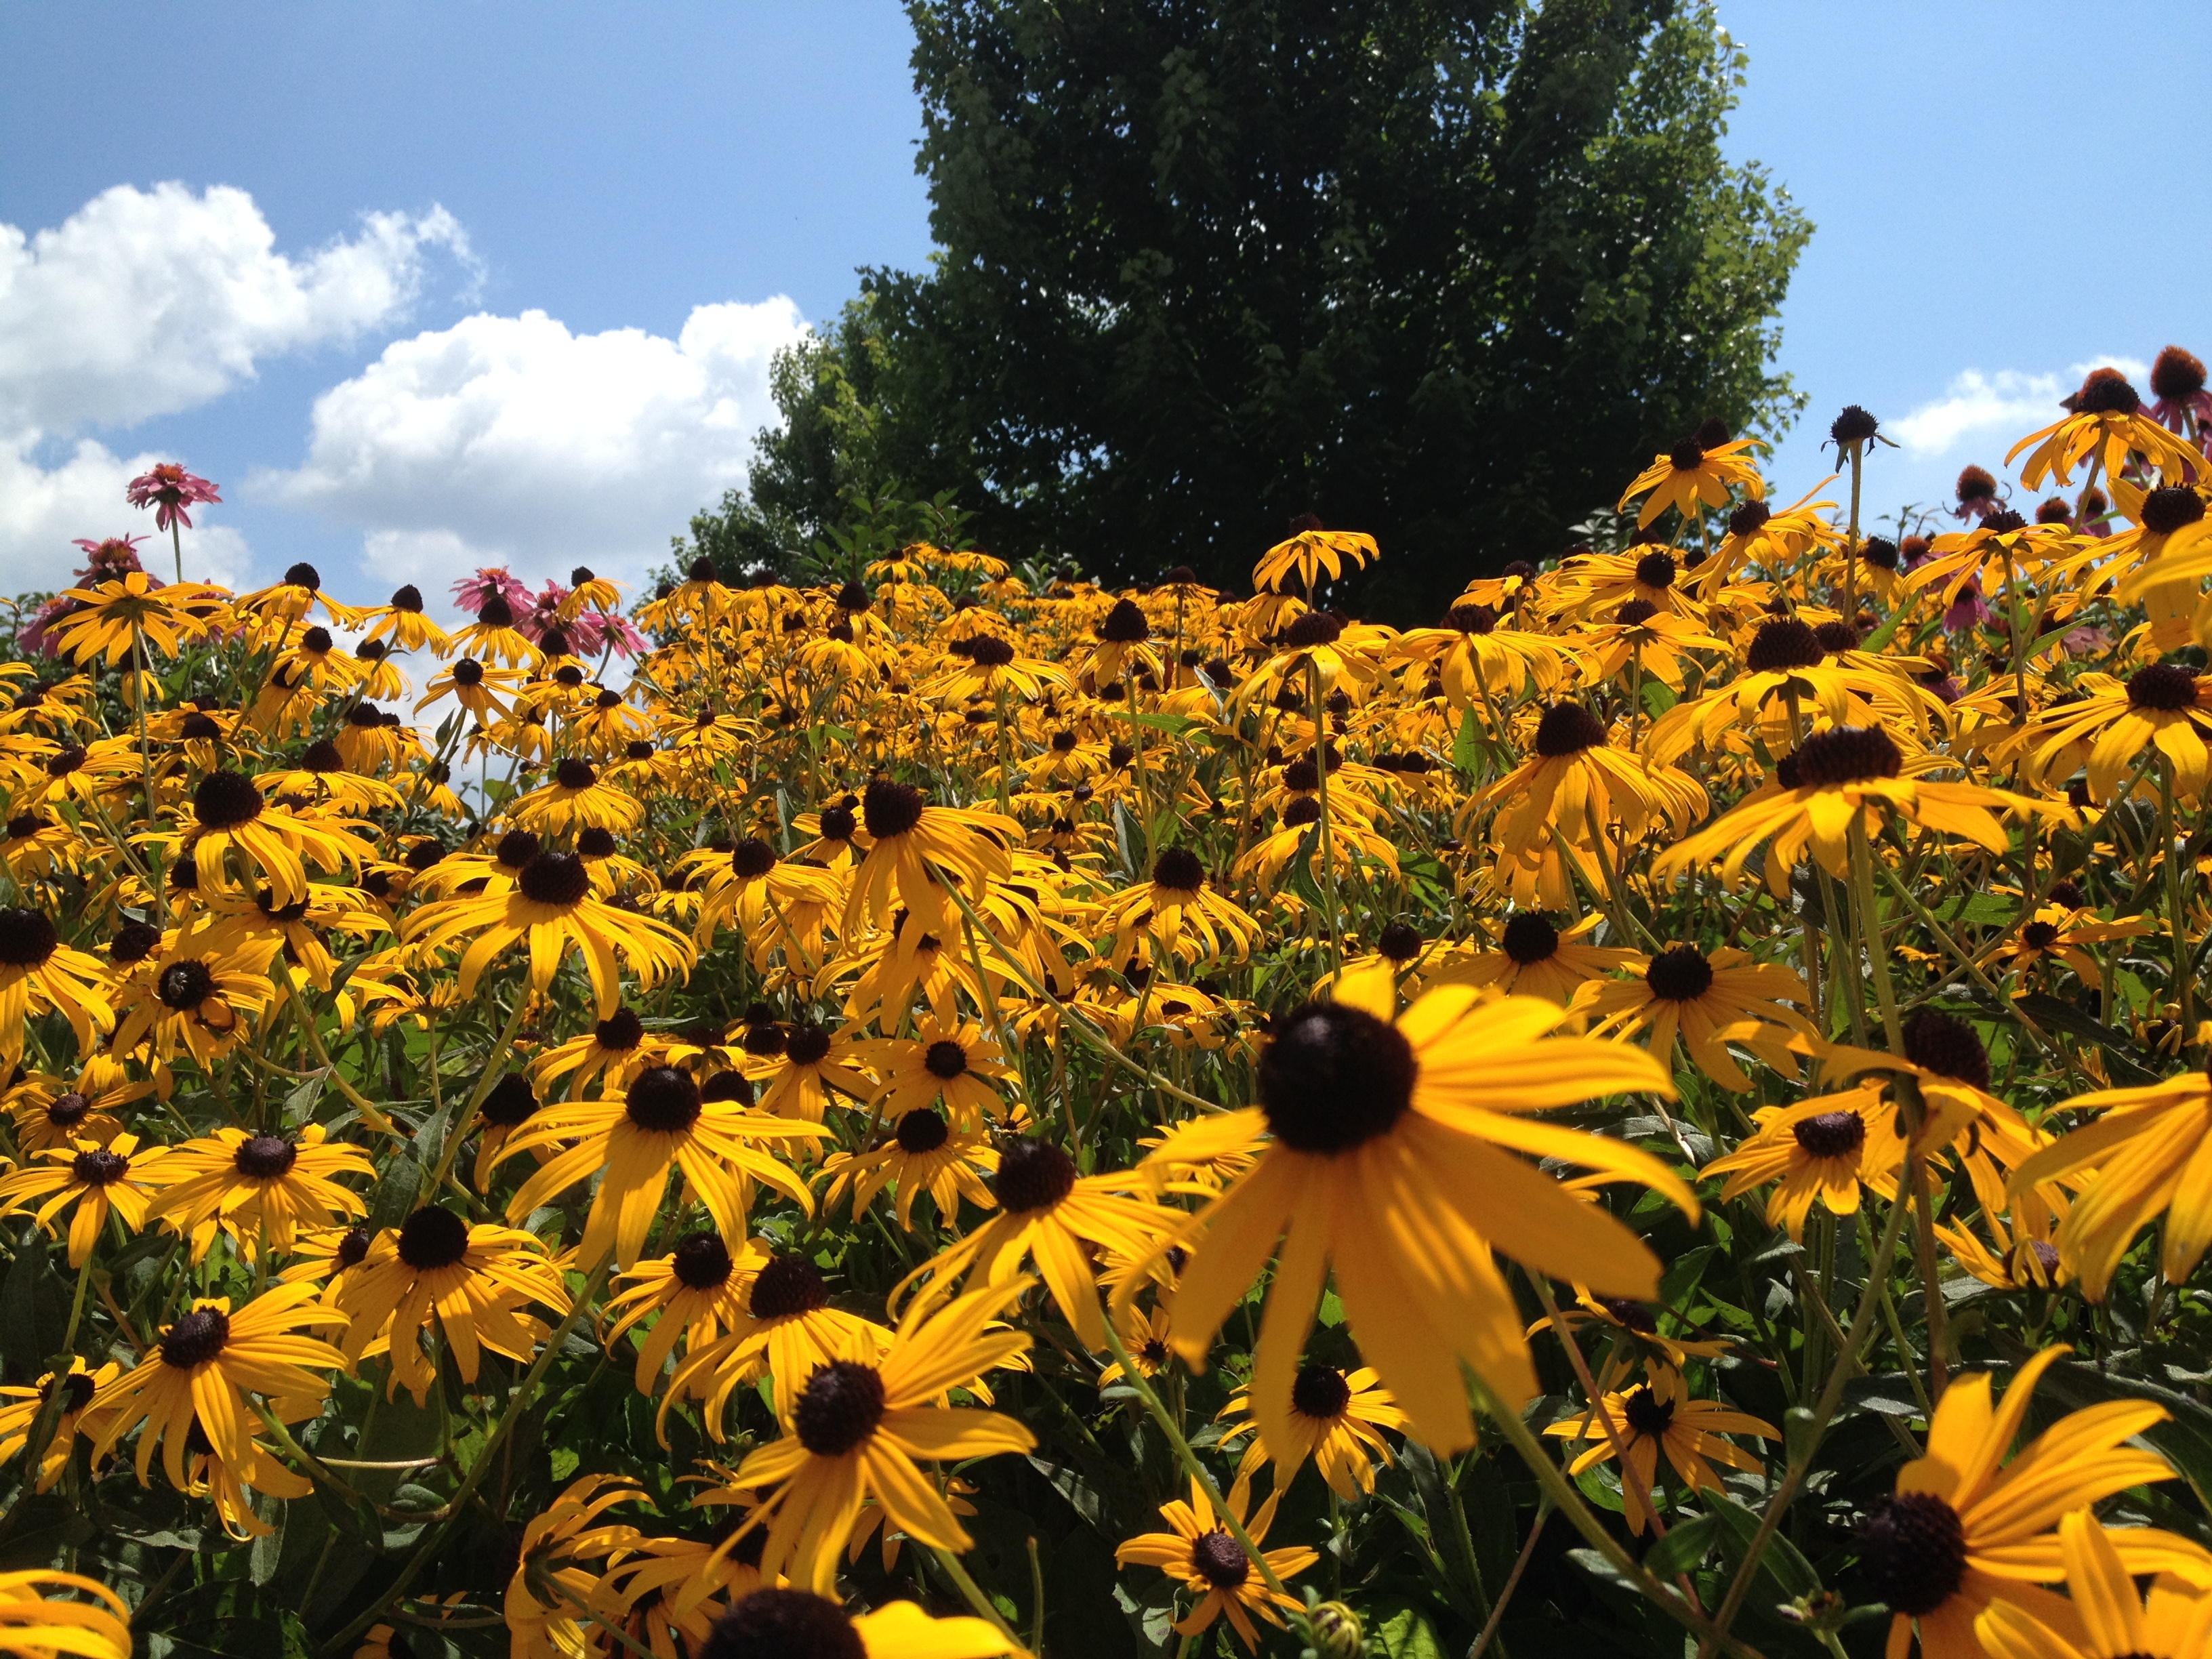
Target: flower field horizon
[[958, 1111]]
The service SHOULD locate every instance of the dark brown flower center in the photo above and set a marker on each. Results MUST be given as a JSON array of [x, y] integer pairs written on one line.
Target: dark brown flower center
[[1831, 1134], [1178, 870], [2163, 687], [1647, 1413], [1948, 1046], [1033, 1175], [184, 986], [889, 809], [1783, 643], [1679, 973], [946, 1061], [839, 1408], [1530, 938], [133, 942], [923, 1130], [1320, 1391], [1846, 754], [1632, 1313], [1657, 570], [2040, 935], [702, 1262], [1567, 728], [225, 799], [620, 1032], [1334, 1078], [2171, 507], [1853, 426], [196, 1338], [1219, 1559], [2107, 392], [433, 1237], [663, 1100], [353, 1248], [783, 1624], [511, 1102], [28, 938], [789, 1285], [1314, 627], [1399, 942], [1472, 618], [752, 859], [1125, 624], [100, 1168], [559, 879], [808, 1045], [77, 1389], [1913, 1549], [265, 1158], [67, 1111], [1749, 519]]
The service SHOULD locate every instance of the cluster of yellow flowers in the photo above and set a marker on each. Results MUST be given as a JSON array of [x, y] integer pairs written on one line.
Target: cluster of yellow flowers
[[902, 1003]]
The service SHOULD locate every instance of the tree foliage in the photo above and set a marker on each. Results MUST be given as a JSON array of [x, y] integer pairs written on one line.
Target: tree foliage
[[1439, 269]]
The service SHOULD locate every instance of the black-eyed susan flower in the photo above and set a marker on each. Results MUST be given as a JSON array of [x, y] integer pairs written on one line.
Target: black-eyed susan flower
[[274, 846], [551, 909], [1843, 776], [469, 1281], [1201, 1551], [25, 1405], [39, 974], [1822, 1151], [259, 1190], [2112, 723], [549, 1598], [785, 1329], [2103, 426], [859, 1427], [662, 1122], [923, 1153], [117, 1179], [1177, 915], [1694, 475], [955, 1064], [1660, 1415], [195, 1004], [696, 1292], [1969, 1525], [813, 1064], [1309, 555], [1712, 1002], [204, 1367], [2115, 1620], [1049, 1212], [1535, 959], [1392, 1164], [575, 799], [39, 1624], [1338, 1416], [2141, 1158], [910, 844], [797, 1622]]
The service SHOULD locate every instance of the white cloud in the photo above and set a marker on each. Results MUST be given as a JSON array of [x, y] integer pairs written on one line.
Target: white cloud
[[2010, 401], [44, 509], [509, 440], [148, 302]]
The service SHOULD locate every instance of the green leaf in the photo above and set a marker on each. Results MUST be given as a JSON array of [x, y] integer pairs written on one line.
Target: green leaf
[[1782, 1562], [1466, 743], [1407, 1635], [1683, 1549]]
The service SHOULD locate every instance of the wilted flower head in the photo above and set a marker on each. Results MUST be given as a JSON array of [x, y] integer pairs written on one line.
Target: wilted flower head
[[169, 490]]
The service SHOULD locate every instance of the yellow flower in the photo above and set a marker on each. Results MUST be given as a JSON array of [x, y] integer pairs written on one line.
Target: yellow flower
[[909, 842], [1822, 1150], [1392, 1162], [856, 1427], [116, 1179], [2107, 425], [2176, 1618], [230, 814], [660, 1123], [1202, 1552], [1712, 1002], [1968, 1527], [202, 1369], [78, 1384], [1308, 554], [1335, 1415], [1659, 1415], [258, 1189], [922, 1154], [39, 1627], [471, 1280], [39, 973], [1691, 474]]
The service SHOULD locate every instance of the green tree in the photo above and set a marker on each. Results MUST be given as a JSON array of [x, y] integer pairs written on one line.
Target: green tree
[[1444, 270]]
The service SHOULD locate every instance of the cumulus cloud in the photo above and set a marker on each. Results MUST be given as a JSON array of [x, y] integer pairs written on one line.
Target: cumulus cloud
[[148, 302], [509, 440], [2008, 402], [43, 508]]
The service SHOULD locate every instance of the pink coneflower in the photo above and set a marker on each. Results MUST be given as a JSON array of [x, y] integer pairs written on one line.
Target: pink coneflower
[[118, 555], [544, 616], [2177, 380], [608, 632], [169, 490], [1968, 610], [489, 581], [1978, 495]]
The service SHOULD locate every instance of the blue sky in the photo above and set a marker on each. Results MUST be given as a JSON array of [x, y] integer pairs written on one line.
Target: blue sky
[[487, 281]]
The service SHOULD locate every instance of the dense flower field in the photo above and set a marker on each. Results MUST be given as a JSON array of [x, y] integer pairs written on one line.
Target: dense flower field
[[963, 1113]]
